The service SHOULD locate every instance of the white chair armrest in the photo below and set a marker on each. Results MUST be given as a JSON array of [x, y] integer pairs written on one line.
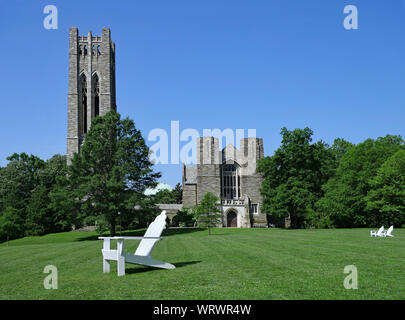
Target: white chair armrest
[[130, 238]]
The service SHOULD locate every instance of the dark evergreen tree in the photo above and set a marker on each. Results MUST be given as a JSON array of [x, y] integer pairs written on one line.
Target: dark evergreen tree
[[178, 193], [112, 170]]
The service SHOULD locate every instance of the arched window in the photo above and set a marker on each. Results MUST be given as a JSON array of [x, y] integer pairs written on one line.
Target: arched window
[[85, 50], [96, 95], [83, 105], [98, 49]]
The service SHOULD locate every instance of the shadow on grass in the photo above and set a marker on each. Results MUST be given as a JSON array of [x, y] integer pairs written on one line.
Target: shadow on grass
[[139, 233], [141, 269], [174, 231]]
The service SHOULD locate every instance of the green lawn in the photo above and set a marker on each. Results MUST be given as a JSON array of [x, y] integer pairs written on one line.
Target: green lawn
[[230, 264]]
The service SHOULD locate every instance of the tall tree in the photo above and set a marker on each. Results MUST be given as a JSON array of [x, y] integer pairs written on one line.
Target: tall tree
[[293, 176], [112, 166]]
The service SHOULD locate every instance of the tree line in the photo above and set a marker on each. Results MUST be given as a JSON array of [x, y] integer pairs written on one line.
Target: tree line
[[306, 184], [309, 184]]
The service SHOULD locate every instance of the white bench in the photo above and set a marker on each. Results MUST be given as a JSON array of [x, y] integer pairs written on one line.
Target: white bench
[[142, 253]]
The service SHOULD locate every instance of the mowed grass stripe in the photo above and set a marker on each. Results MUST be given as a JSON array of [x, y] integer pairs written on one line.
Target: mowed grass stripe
[[378, 266], [230, 264]]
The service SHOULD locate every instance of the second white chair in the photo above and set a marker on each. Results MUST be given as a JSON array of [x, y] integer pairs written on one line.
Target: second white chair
[[378, 233]]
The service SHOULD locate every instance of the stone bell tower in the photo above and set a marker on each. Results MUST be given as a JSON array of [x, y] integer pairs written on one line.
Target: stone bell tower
[[91, 83]]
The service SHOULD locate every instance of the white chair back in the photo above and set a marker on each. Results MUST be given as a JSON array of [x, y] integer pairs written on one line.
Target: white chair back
[[380, 231], [390, 230], [155, 230]]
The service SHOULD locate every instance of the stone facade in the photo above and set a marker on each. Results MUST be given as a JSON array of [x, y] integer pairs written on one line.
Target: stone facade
[[230, 174], [91, 83]]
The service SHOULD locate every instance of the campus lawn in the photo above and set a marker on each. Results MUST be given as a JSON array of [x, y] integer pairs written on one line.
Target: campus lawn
[[229, 264]]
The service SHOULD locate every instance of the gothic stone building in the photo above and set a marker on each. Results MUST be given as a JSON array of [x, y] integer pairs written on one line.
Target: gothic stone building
[[91, 83], [230, 174]]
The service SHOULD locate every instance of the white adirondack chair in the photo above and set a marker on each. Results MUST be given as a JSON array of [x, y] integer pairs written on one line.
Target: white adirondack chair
[[377, 233], [142, 253], [388, 232]]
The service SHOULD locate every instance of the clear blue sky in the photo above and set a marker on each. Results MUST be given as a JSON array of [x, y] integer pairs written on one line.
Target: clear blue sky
[[210, 64]]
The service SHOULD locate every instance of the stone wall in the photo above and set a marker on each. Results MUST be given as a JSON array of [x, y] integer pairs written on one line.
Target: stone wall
[[251, 187], [189, 195], [208, 180]]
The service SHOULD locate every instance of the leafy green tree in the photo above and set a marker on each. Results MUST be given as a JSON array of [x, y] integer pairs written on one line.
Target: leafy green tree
[[174, 196], [11, 224], [112, 166], [64, 205], [339, 149], [293, 176], [319, 219], [24, 185], [39, 219], [315, 219], [345, 194], [17, 180], [42, 215], [207, 212], [386, 199], [164, 196], [54, 167]]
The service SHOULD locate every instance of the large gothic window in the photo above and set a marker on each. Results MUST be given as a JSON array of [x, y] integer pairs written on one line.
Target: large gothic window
[[83, 105], [231, 181], [96, 95]]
